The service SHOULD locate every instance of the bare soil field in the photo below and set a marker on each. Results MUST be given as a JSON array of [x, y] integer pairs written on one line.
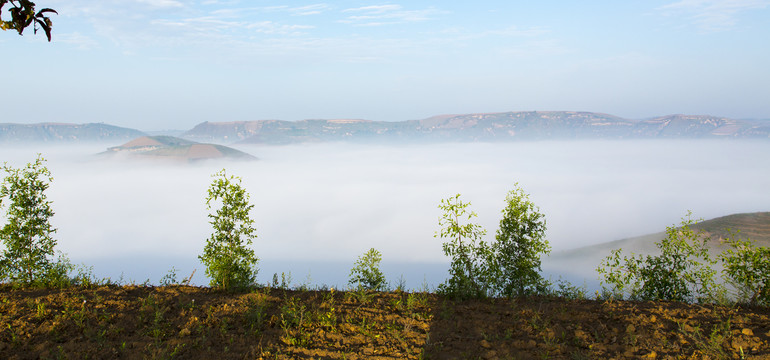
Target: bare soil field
[[183, 322]]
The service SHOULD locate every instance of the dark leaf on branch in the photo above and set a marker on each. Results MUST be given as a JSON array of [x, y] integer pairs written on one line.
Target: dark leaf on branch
[[39, 13], [46, 27]]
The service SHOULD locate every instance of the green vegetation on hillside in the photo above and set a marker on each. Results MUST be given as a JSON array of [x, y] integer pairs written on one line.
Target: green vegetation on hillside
[[686, 271]]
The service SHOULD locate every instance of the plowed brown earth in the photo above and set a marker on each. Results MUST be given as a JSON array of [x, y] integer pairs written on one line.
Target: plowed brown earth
[[135, 322]]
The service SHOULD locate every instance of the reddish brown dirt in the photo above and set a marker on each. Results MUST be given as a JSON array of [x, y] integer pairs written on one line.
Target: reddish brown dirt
[[135, 322], [203, 151], [141, 141]]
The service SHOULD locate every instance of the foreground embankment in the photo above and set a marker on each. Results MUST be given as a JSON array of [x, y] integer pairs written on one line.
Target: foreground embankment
[[137, 322]]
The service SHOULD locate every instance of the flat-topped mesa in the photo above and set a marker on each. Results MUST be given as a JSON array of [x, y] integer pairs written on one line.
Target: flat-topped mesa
[[485, 127], [348, 121], [679, 125], [525, 125], [54, 132], [225, 132]]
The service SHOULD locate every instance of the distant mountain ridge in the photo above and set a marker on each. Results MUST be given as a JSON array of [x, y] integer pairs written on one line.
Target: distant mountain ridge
[[62, 132], [489, 127], [483, 127]]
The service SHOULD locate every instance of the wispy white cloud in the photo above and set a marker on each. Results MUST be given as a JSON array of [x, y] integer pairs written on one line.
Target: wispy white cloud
[[276, 34], [377, 15], [162, 3], [514, 31], [202, 24], [314, 9], [270, 27], [78, 40], [214, 25], [178, 27], [374, 9], [507, 41], [713, 15]]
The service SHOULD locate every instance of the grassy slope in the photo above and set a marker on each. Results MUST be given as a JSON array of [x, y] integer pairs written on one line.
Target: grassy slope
[[755, 226]]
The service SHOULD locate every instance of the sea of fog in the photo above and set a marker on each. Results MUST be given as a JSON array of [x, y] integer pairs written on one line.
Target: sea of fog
[[318, 207]]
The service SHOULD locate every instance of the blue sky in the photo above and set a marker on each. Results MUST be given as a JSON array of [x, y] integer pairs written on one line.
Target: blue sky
[[170, 64]]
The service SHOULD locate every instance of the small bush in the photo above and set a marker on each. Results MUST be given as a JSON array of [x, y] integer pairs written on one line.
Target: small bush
[[366, 272], [58, 275], [169, 279], [566, 290], [747, 268], [285, 282], [684, 271]]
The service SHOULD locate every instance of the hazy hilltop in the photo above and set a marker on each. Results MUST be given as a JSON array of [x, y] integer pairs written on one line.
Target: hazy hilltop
[[507, 126], [487, 127], [59, 132], [173, 148], [753, 226]]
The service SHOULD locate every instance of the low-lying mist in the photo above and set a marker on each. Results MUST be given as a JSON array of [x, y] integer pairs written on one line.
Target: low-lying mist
[[318, 207]]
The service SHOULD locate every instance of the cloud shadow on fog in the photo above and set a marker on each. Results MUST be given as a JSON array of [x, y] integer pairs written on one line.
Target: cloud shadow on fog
[[329, 203]]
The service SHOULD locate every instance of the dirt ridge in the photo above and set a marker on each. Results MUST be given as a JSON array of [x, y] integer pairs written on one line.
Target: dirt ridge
[[138, 322]]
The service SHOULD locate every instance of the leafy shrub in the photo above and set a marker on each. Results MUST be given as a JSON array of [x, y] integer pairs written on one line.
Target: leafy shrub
[[519, 243], [169, 279], [285, 282], [229, 262], [566, 290], [747, 268], [366, 272], [684, 270], [58, 275], [85, 277]]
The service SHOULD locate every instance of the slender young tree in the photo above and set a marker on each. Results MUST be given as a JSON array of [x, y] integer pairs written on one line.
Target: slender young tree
[[230, 263], [27, 235], [366, 273], [469, 267], [519, 243]]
